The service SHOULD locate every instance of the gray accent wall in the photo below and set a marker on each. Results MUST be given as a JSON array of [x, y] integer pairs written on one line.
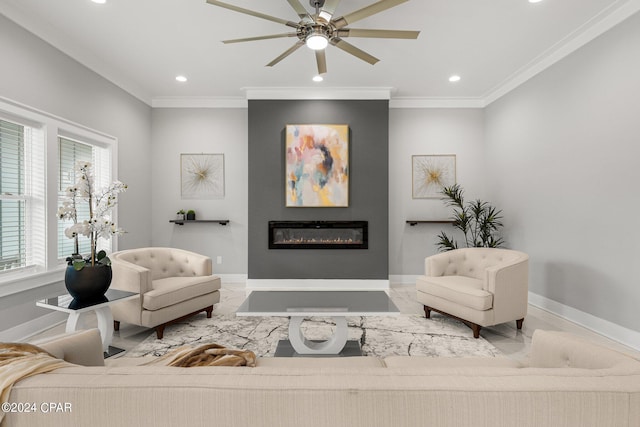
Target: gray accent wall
[[368, 123]]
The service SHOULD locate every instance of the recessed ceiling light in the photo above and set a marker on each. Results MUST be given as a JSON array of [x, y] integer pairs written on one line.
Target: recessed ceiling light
[[318, 78], [181, 79], [454, 78], [535, 1], [99, 1]]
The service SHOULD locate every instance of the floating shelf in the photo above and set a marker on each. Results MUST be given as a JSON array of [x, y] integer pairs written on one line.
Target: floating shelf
[[413, 222], [189, 221]]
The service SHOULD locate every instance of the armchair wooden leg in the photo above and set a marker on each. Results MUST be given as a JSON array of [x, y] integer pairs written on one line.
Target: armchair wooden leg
[[427, 312], [116, 325], [519, 323], [209, 311], [476, 330], [160, 331]]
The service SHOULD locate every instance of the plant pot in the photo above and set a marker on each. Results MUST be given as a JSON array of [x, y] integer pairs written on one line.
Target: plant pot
[[180, 217], [88, 284], [191, 216]]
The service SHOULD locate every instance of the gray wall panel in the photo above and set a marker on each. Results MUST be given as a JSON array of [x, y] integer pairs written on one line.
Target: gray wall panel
[[368, 189]]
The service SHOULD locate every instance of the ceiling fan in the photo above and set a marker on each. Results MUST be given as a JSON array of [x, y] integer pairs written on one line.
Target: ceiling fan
[[321, 28]]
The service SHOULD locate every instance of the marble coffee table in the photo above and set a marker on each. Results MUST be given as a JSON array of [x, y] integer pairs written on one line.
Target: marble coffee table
[[298, 305]]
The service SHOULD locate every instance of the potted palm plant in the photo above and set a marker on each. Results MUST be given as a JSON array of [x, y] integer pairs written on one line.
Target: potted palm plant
[[479, 221], [88, 277]]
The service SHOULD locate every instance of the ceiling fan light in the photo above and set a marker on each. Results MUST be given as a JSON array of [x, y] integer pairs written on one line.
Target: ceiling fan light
[[317, 42]]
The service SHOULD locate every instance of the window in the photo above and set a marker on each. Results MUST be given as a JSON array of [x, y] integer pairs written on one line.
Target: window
[[37, 154]]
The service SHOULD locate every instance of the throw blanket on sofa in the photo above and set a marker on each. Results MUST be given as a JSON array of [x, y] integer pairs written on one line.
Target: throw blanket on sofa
[[18, 361], [206, 355]]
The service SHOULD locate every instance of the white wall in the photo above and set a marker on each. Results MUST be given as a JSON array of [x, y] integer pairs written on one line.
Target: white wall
[[40, 76], [35, 74], [176, 131], [563, 153], [420, 132]]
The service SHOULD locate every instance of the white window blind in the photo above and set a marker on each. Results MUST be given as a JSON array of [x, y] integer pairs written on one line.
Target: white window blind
[[22, 238], [12, 196], [70, 152]]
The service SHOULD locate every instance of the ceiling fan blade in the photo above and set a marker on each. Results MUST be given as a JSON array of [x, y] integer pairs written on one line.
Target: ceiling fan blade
[[328, 9], [349, 48], [365, 12], [252, 13], [381, 34], [286, 53], [321, 59], [251, 39], [300, 10]]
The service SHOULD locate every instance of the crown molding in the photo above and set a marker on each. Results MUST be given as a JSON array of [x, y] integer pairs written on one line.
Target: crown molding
[[437, 103], [256, 93], [69, 47], [285, 94], [198, 102], [598, 25]]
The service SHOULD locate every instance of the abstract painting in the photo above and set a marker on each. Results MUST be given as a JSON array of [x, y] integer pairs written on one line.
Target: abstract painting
[[202, 176], [317, 165], [431, 173]]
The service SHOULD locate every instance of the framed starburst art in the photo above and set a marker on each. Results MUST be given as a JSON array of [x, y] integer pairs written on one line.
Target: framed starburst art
[[202, 176], [431, 173]]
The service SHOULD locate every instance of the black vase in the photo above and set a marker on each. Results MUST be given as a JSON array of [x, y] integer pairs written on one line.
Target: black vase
[[191, 216], [88, 284]]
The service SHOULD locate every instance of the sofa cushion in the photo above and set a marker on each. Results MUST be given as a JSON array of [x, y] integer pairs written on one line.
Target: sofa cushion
[[173, 290], [463, 290], [552, 349], [82, 347], [450, 362], [319, 362]]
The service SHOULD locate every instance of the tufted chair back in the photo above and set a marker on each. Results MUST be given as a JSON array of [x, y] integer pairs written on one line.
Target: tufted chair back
[[471, 262], [165, 262]]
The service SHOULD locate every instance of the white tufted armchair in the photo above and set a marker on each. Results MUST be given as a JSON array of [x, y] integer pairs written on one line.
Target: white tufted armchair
[[479, 286], [173, 284]]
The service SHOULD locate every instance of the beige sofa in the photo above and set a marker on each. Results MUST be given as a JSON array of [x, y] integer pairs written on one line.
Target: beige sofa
[[479, 286], [173, 284], [564, 382]]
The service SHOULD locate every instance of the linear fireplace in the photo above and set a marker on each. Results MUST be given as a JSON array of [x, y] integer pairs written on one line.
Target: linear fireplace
[[318, 235]]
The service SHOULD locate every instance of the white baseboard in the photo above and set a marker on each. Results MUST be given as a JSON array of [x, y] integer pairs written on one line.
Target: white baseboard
[[600, 326], [403, 279], [317, 284], [232, 278], [32, 327]]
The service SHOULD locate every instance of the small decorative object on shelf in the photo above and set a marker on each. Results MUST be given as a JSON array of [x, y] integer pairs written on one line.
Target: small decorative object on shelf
[[180, 215], [191, 215]]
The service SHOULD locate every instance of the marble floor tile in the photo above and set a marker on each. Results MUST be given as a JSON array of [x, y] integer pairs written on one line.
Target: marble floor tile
[[506, 338]]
